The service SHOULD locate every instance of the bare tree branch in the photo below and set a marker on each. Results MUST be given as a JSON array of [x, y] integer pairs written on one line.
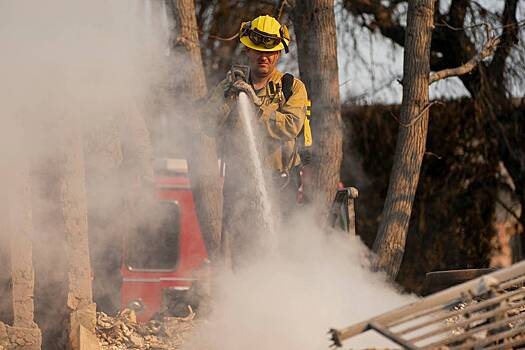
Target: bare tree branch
[[477, 25], [488, 49], [220, 38], [510, 211], [279, 9], [413, 121], [383, 18]]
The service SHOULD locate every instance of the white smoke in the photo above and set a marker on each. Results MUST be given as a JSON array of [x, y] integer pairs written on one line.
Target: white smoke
[[87, 61], [319, 281], [74, 69], [72, 60]]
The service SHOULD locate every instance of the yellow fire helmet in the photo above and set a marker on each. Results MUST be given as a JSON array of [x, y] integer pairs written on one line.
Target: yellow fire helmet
[[264, 33]]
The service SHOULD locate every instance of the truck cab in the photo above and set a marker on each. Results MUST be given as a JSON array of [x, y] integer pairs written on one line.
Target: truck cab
[[163, 257]]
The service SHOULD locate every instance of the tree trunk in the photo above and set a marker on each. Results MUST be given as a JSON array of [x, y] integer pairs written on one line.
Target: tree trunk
[[314, 23], [389, 244], [189, 86]]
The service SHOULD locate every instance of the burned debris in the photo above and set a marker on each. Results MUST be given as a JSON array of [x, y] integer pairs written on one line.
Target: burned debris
[[485, 313], [124, 332]]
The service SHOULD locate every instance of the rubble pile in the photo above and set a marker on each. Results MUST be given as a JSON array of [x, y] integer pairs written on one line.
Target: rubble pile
[[124, 332]]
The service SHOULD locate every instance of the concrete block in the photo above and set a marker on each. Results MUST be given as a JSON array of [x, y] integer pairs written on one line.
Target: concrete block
[[86, 316], [3, 330], [82, 324], [3, 336], [23, 338], [87, 339]]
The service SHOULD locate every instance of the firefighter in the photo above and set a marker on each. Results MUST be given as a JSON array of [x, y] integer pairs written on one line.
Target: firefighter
[[280, 102]]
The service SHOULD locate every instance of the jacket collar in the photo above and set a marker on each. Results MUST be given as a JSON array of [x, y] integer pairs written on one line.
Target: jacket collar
[[275, 78]]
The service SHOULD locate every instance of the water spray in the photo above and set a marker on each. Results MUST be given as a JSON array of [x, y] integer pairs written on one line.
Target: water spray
[[247, 116]]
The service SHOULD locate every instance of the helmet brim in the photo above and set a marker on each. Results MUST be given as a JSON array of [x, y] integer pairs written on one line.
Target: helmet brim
[[245, 40]]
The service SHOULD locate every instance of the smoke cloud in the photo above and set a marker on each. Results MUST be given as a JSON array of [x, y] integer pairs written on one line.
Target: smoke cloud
[[318, 281], [88, 67], [72, 61], [82, 70]]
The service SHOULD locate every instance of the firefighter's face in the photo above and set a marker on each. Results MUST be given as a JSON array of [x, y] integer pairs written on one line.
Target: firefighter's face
[[262, 63]]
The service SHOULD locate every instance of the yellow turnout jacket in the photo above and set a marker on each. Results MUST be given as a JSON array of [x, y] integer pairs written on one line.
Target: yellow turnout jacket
[[282, 121]]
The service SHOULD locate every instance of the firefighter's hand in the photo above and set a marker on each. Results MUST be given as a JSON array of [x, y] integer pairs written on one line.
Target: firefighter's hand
[[242, 86], [236, 73]]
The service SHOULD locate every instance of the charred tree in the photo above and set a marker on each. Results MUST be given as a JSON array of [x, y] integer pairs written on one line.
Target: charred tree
[[190, 86], [314, 25], [494, 100], [410, 148]]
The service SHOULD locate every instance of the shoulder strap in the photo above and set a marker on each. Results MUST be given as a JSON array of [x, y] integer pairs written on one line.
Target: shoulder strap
[[287, 85]]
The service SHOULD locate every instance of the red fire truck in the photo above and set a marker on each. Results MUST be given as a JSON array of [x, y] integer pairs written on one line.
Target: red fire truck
[[162, 259]]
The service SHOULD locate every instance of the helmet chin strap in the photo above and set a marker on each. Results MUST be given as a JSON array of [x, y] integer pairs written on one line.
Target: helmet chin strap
[[286, 50]]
